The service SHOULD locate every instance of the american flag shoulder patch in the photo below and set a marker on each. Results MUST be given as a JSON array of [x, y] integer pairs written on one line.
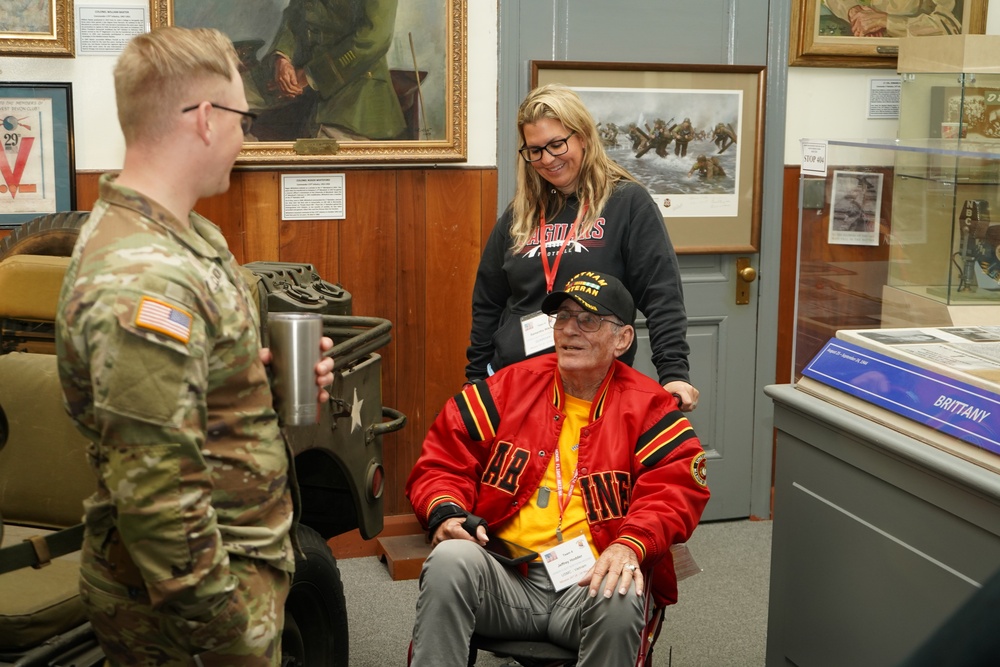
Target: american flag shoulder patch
[[161, 317]]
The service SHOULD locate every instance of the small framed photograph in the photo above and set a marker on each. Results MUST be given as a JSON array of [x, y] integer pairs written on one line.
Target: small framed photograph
[[856, 201], [37, 169]]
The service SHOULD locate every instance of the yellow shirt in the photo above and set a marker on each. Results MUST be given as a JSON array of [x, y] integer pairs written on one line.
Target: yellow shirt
[[535, 525]]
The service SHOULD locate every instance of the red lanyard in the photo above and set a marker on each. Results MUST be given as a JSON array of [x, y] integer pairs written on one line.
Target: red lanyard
[[559, 492], [551, 271]]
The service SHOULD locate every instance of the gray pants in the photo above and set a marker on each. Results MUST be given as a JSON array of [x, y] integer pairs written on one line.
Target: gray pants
[[464, 589]]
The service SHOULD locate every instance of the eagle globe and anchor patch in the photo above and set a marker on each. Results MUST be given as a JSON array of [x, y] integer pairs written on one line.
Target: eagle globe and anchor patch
[[699, 470]]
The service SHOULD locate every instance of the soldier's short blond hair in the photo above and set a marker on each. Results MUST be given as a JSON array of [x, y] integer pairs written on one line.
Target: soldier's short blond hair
[[159, 71]]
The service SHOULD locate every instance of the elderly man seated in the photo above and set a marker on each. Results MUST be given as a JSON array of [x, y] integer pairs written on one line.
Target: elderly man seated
[[572, 455]]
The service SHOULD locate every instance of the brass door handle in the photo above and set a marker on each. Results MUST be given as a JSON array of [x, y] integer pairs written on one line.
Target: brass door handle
[[745, 274]]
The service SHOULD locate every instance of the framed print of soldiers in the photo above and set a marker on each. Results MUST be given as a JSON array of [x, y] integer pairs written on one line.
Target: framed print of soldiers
[[683, 134], [572, 455], [187, 550]]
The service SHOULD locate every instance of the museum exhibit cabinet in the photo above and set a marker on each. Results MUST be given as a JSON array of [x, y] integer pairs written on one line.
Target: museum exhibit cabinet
[[884, 525]]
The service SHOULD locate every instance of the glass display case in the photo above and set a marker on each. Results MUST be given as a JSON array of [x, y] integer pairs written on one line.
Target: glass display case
[[899, 233]]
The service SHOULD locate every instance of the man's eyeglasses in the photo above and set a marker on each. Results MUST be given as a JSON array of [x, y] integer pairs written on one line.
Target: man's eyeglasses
[[246, 122], [555, 148], [586, 321]]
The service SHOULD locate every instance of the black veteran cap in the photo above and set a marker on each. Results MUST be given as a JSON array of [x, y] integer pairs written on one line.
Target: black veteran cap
[[597, 292]]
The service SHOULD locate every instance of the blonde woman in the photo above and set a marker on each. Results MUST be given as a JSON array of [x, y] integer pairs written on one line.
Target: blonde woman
[[574, 210]]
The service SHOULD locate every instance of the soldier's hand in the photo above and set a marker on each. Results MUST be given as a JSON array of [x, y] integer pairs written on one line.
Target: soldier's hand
[[286, 77], [324, 370]]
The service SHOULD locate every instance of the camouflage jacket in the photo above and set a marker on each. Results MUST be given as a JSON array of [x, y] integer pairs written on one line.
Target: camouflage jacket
[[158, 358]]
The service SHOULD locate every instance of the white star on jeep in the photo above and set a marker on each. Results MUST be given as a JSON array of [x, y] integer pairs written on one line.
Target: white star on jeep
[[356, 410]]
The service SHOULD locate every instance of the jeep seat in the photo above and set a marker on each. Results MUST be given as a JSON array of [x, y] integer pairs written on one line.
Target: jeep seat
[[44, 478], [30, 286]]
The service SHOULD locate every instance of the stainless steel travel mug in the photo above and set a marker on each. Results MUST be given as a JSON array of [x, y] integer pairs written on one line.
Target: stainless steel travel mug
[[295, 349]]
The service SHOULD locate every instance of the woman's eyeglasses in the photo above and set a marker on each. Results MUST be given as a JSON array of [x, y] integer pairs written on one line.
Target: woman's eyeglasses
[[555, 148]]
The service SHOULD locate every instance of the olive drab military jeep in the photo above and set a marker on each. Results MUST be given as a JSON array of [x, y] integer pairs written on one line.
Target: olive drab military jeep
[[44, 475]]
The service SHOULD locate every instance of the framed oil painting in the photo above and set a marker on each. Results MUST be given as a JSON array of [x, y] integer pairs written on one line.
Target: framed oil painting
[[692, 134], [865, 33], [36, 28], [346, 81], [37, 167]]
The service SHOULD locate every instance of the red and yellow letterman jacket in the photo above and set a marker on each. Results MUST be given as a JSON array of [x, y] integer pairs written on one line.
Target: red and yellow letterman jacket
[[642, 468]]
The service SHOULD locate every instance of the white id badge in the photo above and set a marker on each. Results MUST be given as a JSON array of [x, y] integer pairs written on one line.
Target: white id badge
[[537, 333], [568, 561]]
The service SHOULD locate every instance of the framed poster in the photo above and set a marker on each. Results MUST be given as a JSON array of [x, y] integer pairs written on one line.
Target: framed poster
[[692, 134], [361, 81], [37, 170], [855, 204], [865, 33], [36, 28]]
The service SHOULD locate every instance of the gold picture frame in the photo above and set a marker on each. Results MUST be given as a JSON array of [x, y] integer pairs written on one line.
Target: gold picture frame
[[34, 32], [817, 38], [706, 211], [432, 92]]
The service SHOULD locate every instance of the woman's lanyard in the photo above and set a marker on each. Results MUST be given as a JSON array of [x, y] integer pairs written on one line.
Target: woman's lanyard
[[559, 492], [551, 271]]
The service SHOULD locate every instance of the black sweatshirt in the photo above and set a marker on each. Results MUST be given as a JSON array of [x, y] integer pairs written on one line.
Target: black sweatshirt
[[629, 242]]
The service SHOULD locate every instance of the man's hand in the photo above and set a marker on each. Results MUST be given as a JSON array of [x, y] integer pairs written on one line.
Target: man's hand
[[868, 22], [617, 564], [288, 79], [687, 395], [324, 369], [452, 529]]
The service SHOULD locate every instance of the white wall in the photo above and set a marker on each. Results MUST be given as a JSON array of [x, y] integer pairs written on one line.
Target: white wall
[[99, 143], [827, 103]]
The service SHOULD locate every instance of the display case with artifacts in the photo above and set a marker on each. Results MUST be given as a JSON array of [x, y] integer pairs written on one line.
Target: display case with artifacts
[[906, 232], [944, 266], [887, 447]]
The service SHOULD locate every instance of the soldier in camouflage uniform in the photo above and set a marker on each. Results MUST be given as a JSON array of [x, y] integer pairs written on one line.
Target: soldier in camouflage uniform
[[187, 553]]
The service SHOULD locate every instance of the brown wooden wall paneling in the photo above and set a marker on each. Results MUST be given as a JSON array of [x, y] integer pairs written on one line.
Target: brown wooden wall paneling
[[315, 242], [261, 215], [410, 335], [86, 190], [368, 267], [454, 215], [786, 280]]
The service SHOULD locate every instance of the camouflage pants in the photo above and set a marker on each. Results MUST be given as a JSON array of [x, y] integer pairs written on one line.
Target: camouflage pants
[[132, 633]]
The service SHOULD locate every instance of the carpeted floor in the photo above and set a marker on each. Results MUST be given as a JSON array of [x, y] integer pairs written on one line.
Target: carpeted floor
[[720, 619]]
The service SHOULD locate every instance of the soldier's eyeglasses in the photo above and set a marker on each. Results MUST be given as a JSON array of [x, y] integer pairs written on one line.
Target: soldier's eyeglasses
[[246, 122], [555, 148], [586, 321]]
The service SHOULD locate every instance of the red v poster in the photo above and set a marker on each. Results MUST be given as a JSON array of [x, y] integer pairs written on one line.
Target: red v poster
[[27, 165]]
